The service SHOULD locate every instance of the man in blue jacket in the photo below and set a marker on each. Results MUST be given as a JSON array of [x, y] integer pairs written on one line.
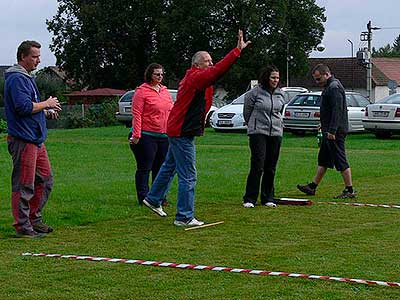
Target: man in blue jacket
[[334, 126], [26, 115]]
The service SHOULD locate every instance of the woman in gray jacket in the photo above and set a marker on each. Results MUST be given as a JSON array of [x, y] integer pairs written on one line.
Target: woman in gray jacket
[[262, 111]]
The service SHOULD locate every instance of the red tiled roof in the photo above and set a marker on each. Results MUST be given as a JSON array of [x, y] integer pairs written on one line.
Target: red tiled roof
[[103, 92], [390, 67], [351, 74]]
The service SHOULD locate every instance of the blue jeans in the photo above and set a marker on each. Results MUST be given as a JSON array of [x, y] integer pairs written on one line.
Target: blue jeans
[[181, 159]]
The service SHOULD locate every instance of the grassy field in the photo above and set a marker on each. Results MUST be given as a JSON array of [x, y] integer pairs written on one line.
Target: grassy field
[[94, 211]]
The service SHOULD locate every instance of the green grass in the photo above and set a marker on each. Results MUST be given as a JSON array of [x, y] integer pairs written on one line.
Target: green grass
[[94, 212]]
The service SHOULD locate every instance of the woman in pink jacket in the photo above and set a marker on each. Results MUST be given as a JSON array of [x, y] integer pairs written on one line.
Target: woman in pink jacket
[[151, 105]]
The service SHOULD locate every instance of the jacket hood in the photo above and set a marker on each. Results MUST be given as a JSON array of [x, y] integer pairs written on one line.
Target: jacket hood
[[16, 69]]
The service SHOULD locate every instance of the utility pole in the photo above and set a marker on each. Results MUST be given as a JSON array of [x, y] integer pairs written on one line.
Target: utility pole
[[369, 65], [365, 55]]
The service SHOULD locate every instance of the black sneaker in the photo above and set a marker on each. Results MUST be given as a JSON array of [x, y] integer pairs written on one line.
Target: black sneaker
[[30, 234], [42, 228], [346, 195], [306, 189]]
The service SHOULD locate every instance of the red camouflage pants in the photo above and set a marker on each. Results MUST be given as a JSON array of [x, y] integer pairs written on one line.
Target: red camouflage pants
[[31, 181]]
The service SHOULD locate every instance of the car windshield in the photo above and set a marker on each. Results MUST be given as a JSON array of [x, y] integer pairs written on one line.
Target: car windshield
[[239, 100], [127, 97], [173, 95], [392, 99], [305, 100]]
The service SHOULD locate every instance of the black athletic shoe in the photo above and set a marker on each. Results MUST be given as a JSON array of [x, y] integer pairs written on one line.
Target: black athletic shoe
[[306, 189], [346, 195]]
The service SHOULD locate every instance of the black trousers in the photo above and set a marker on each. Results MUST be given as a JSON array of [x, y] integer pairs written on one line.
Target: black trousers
[[150, 154], [264, 158]]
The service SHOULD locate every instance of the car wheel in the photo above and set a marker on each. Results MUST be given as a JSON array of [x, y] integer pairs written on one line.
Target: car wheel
[[209, 115], [383, 134]]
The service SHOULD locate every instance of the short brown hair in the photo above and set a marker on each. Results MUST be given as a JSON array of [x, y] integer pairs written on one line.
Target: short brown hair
[[322, 69], [25, 48], [149, 71]]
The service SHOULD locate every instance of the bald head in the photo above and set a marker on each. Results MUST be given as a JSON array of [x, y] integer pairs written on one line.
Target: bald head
[[202, 60]]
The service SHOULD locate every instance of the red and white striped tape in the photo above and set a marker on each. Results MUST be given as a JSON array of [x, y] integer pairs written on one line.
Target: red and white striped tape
[[214, 268], [362, 204]]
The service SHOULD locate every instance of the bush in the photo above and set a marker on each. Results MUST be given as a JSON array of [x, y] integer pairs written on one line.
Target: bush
[[3, 126], [95, 115]]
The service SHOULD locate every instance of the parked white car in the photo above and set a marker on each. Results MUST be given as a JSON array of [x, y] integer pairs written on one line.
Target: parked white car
[[124, 113], [302, 113], [383, 117], [230, 117]]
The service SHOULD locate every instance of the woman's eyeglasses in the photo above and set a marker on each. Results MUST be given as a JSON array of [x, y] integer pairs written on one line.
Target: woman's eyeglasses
[[158, 74]]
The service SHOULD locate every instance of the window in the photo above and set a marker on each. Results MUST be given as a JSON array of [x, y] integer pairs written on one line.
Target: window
[[362, 101], [127, 97], [306, 100]]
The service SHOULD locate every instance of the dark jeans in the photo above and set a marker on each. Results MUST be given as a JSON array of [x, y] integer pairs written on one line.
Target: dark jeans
[[264, 158], [149, 153]]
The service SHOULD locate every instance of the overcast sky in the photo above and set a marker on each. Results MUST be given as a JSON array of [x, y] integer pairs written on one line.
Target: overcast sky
[[25, 19]]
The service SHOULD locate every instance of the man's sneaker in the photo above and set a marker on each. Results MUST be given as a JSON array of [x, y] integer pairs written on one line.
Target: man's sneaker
[[30, 234], [270, 204], [345, 195], [42, 228], [158, 210], [248, 205], [192, 222], [306, 189]]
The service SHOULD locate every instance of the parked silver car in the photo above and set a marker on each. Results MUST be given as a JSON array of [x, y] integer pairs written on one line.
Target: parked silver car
[[230, 117], [124, 113], [383, 117], [302, 113]]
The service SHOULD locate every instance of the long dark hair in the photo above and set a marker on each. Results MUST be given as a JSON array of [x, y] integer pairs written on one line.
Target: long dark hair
[[263, 80], [149, 71]]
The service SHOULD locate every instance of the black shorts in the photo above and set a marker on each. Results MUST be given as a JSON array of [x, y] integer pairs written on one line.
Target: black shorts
[[333, 153]]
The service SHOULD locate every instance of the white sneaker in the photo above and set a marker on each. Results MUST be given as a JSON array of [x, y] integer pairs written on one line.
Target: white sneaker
[[192, 222], [158, 210], [248, 205], [270, 204]]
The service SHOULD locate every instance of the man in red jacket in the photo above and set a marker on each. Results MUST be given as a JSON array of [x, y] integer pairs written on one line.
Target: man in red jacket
[[186, 120]]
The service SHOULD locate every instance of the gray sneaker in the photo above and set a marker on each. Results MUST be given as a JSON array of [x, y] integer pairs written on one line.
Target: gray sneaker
[[192, 222], [158, 210]]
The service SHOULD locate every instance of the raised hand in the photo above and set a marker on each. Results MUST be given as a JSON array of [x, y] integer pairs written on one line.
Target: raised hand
[[241, 44]]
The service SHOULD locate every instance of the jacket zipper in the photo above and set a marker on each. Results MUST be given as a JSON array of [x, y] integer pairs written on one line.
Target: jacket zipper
[[270, 116]]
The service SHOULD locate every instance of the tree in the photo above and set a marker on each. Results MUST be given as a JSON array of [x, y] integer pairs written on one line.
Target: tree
[[109, 43], [388, 50]]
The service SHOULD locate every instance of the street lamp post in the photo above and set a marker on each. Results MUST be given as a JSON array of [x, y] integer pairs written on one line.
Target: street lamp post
[[352, 64], [287, 61]]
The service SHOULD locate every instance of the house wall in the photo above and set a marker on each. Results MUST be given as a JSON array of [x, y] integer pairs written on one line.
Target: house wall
[[382, 92]]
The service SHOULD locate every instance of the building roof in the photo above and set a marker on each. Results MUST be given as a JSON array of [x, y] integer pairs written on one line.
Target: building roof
[[351, 74], [346, 69], [390, 67], [102, 92]]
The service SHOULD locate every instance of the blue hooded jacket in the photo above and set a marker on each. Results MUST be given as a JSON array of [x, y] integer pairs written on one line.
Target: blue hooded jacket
[[20, 91]]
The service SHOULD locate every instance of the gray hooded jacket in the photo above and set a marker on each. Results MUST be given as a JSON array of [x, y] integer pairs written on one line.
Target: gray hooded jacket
[[263, 111]]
